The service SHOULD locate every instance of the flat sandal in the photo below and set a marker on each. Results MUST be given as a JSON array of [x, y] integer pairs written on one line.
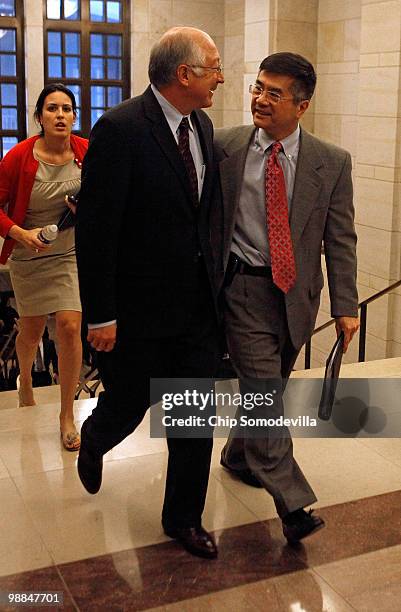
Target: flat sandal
[[71, 440]]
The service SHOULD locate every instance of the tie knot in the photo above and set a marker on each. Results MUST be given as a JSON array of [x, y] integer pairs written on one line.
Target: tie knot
[[184, 125], [277, 147]]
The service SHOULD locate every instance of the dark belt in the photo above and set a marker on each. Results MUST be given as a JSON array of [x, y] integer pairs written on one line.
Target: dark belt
[[244, 268], [238, 266]]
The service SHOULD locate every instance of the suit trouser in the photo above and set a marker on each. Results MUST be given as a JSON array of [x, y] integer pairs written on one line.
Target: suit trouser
[[262, 355], [126, 373]]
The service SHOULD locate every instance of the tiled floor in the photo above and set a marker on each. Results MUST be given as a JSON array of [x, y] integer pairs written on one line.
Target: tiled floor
[[108, 552]]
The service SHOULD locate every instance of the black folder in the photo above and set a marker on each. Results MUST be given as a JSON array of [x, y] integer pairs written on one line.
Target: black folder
[[331, 375]]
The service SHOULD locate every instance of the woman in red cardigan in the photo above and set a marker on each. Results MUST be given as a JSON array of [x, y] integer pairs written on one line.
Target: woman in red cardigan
[[35, 177]]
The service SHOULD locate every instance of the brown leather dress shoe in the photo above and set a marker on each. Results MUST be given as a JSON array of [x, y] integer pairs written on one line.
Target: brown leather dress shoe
[[245, 475], [195, 540], [90, 466], [300, 524]]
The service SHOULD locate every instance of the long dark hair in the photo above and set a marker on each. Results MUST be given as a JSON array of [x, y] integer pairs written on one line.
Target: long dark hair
[[48, 89]]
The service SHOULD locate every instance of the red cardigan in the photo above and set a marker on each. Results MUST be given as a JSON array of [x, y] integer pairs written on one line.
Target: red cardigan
[[17, 175]]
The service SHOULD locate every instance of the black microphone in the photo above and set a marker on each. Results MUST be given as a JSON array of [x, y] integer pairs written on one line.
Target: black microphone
[[67, 219]]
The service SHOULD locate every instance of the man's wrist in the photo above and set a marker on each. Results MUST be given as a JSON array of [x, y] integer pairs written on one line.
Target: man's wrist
[[98, 325]]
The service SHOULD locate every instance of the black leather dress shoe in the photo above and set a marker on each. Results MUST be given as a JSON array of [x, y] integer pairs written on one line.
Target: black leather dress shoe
[[195, 540], [90, 467], [300, 524], [245, 475]]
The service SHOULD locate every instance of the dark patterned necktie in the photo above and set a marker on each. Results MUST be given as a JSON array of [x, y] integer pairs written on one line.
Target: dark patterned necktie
[[278, 228], [183, 146]]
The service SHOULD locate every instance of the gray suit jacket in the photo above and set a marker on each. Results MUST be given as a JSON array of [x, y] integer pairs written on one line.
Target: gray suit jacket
[[322, 209]]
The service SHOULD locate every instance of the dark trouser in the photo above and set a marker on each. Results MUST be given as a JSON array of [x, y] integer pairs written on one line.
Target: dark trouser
[[125, 373], [262, 355]]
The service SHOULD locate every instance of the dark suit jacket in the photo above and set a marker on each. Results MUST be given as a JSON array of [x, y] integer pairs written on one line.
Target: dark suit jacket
[[138, 235], [322, 209]]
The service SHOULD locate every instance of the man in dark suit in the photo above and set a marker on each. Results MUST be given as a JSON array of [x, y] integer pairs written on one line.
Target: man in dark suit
[[284, 192], [145, 265]]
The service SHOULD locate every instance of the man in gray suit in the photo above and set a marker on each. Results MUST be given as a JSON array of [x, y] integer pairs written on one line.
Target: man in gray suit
[[284, 192]]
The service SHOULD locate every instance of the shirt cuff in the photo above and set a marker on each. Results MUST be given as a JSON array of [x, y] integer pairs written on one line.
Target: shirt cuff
[[96, 325]]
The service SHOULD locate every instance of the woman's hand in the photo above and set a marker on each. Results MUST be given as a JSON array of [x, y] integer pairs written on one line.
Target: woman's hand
[[29, 238]]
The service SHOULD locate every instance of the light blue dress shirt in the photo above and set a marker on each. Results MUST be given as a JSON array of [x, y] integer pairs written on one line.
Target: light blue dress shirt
[[250, 240]]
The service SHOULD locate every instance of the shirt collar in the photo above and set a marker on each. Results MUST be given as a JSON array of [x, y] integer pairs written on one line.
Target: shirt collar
[[173, 116], [290, 143]]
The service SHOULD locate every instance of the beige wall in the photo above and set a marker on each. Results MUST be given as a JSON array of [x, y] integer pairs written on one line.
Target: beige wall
[[378, 167], [272, 26], [355, 45], [150, 18], [336, 112], [234, 50], [358, 108], [34, 60], [338, 44]]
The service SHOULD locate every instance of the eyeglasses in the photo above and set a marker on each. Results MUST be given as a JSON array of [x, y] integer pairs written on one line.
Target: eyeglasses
[[218, 69], [272, 96]]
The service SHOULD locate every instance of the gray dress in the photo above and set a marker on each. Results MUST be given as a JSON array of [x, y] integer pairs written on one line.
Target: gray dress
[[47, 282]]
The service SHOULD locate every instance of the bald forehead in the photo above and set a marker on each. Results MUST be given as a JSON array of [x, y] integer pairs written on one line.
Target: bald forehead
[[194, 34], [202, 38]]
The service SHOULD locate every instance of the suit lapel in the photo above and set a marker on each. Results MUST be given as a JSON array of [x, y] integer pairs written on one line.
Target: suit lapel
[[307, 186], [231, 177], [164, 137]]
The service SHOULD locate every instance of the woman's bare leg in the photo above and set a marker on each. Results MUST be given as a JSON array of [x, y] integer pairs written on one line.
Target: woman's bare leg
[[30, 332], [68, 329]]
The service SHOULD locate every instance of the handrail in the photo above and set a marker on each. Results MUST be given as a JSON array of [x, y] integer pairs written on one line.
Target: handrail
[[362, 330], [83, 386], [380, 293]]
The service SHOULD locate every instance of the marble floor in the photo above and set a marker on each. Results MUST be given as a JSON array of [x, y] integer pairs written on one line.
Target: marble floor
[[108, 551]]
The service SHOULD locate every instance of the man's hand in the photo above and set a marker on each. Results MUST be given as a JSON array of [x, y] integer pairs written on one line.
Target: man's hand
[[349, 325], [103, 338]]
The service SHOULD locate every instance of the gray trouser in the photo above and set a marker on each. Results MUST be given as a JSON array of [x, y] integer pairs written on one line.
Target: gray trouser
[[261, 352]]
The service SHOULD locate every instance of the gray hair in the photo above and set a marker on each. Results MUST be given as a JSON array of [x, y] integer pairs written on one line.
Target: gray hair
[[174, 48]]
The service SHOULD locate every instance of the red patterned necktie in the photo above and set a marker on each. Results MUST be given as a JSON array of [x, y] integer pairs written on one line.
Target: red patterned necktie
[[278, 228], [183, 146]]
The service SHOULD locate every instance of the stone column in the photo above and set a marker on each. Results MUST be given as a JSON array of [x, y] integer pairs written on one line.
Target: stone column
[[336, 116], [233, 62], [378, 172], [278, 25], [34, 60], [140, 46], [151, 18]]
